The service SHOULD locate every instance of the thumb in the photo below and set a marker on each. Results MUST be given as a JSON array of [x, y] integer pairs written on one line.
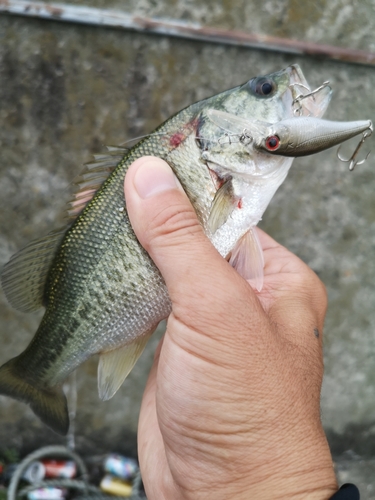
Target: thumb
[[166, 225], [165, 222]]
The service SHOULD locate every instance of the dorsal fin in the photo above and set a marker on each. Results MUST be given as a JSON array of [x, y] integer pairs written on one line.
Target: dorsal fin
[[222, 206], [92, 177], [24, 276]]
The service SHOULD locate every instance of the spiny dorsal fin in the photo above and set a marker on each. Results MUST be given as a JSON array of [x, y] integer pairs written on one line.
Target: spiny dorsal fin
[[24, 276], [115, 366], [92, 178], [247, 258], [222, 206]]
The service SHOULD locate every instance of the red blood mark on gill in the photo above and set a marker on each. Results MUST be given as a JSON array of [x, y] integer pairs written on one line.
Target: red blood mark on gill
[[239, 204], [176, 139]]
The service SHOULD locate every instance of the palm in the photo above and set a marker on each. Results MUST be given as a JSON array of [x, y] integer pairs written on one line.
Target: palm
[[157, 429]]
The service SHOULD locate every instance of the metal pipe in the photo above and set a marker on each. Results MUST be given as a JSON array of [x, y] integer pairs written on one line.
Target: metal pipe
[[192, 31]]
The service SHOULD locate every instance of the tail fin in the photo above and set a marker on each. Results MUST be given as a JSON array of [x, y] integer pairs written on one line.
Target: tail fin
[[49, 405]]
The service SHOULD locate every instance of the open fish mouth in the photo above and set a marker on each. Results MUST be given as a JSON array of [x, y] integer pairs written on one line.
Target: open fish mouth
[[306, 101]]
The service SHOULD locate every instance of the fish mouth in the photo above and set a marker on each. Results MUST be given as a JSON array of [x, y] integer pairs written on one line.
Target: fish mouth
[[307, 101]]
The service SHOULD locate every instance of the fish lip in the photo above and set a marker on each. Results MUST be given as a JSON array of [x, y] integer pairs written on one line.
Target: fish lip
[[296, 75]]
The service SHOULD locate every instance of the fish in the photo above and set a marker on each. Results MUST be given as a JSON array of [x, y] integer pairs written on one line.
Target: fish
[[101, 291]]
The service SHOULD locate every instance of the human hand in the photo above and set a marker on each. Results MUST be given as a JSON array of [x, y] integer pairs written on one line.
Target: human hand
[[232, 405]]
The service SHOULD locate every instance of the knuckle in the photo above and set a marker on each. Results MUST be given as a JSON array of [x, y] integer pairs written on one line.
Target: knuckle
[[310, 282], [318, 290], [316, 294], [310, 292]]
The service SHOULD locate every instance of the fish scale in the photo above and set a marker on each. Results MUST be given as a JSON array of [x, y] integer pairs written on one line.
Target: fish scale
[[102, 292]]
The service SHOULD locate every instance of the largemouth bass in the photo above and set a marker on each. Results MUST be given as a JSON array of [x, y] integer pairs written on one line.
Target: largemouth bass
[[102, 293]]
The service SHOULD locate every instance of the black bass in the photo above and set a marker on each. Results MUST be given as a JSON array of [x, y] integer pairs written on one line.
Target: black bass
[[102, 293]]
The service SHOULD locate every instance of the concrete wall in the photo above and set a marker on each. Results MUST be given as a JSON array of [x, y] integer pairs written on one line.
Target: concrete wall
[[68, 90]]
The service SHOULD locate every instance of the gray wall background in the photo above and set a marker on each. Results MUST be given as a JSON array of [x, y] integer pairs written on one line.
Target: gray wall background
[[67, 90]]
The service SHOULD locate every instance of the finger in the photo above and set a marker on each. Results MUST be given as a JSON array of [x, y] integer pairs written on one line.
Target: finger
[[278, 259], [151, 451], [296, 291], [165, 222], [266, 240]]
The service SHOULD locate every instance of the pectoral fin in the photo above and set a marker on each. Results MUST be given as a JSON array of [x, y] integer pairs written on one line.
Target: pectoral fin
[[222, 206], [247, 259], [115, 366]]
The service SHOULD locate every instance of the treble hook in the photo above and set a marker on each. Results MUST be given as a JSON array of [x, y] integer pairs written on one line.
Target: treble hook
[[353, 163], [297, 100]]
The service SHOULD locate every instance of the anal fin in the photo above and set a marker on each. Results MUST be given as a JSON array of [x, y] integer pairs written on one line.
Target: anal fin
[[115, 366], [247, 258]]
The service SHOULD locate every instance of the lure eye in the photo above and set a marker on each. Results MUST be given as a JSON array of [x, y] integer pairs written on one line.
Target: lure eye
[[272, 143], [263, 86]]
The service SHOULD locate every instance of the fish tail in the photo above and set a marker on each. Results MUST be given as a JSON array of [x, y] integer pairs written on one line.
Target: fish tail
[[49, 404]]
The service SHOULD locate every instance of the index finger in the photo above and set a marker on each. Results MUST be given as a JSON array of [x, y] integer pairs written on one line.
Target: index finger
[[278, 259]]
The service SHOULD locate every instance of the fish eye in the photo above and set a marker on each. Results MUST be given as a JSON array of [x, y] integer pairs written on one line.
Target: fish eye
[[263, 86], [272, 143], [266, 88]]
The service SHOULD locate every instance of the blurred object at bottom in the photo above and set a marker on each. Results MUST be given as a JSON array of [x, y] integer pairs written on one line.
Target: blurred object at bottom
[[47, 493], [116, 486], [120, 466], [59, 482], [60, 468]]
